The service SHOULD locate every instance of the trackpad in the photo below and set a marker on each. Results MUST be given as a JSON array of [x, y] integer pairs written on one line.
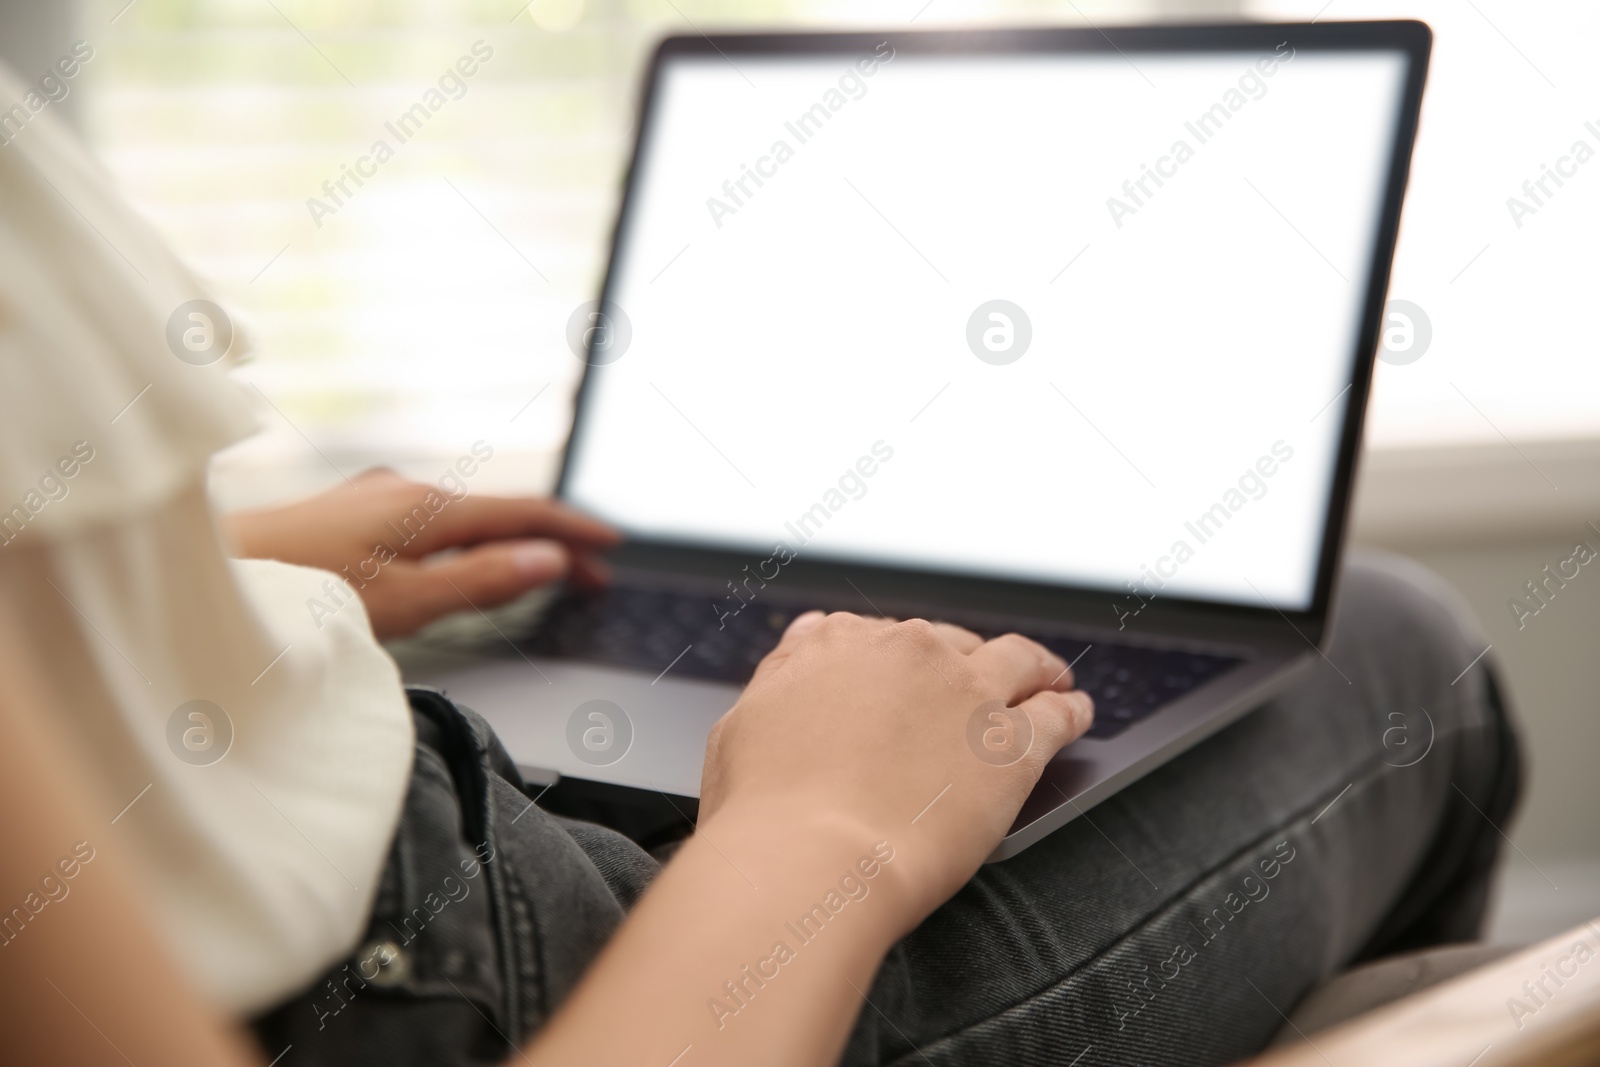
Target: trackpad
[[601, 723]]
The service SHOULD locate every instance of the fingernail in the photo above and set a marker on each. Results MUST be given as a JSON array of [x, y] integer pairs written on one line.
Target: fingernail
[[539, 558], [1085, 705]]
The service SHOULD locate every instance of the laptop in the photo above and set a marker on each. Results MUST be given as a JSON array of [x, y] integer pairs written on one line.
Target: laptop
[[1062, 332]]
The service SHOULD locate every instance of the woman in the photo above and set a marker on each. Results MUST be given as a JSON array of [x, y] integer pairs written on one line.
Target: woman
[[362, 877]]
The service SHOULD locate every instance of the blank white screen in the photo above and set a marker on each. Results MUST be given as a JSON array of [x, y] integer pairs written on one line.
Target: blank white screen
[[774, 345]]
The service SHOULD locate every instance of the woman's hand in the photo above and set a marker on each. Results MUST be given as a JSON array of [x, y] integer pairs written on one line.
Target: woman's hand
[[917, 734], [863, 776], [378, 533]]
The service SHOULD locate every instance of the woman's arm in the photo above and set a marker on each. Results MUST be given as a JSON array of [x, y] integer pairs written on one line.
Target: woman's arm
[[416, 552], [83, 977], [843, 801]]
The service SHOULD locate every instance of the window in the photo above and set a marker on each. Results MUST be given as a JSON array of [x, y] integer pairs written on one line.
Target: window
[[1497, 250], [401, 319]]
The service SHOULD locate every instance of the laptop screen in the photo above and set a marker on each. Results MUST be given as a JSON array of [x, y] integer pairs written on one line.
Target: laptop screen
[[1078, 319]]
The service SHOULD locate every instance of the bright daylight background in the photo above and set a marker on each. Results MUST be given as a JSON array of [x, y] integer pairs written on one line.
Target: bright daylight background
[[429, 311]]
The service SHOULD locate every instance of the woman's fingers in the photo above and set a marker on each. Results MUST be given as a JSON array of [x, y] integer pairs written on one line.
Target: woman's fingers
[[799, 627], [793, 634], [477, 519], [964, 641], [589, 571], [406, 596], [1022, 667], [1058, 718], [804, 625]]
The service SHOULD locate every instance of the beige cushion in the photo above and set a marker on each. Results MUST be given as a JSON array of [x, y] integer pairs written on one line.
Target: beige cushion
[[1381, 982]]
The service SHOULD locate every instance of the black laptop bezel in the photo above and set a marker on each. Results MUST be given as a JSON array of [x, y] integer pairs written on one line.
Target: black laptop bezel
[[902, 585]]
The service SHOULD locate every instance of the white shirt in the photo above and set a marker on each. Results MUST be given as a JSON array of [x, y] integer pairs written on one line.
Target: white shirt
[[263, 853]]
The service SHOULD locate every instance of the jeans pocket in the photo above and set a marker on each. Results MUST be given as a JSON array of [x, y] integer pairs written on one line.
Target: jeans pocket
[[426, 982]]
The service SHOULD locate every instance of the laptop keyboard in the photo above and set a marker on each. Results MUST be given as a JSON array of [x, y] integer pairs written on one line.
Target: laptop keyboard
[[671, 632]]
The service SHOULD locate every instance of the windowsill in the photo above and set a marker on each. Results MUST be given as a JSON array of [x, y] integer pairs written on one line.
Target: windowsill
[[1452, 496], [1474, 495]]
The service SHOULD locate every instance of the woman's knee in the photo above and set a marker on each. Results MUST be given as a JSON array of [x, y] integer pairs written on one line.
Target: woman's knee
[[1413, 638], [1387, 602]]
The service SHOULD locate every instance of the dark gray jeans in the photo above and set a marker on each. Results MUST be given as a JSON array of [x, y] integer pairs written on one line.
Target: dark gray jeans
[[1353, 816]]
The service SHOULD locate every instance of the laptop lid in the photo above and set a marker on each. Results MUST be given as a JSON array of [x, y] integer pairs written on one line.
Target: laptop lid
[[1084, 316]]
